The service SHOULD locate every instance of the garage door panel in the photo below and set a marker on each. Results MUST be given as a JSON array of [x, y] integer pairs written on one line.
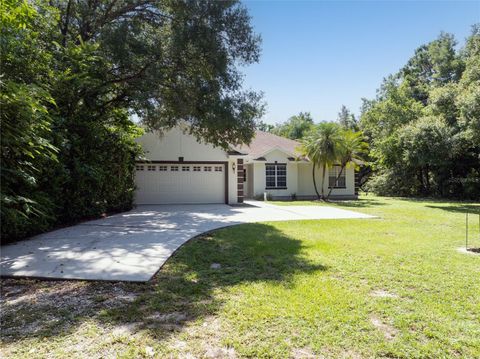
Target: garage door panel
[[206, 185]]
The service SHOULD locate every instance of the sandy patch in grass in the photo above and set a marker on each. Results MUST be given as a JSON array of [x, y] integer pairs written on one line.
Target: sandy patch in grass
[[388, 331], [304, 353], [380, 293], [220, 353]]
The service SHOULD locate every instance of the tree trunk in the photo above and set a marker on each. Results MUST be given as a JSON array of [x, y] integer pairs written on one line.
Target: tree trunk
[[336, 179], [324, 166], [427, 180], [315, 182], [64, 29]]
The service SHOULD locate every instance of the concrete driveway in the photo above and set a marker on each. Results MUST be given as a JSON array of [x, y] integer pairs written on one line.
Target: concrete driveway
[[132, 246]]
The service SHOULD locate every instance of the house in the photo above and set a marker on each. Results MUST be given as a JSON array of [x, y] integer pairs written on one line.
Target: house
[[180, 169]]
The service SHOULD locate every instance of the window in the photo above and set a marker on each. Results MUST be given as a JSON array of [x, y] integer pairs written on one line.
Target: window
[[333, 173], [151, 168], [207, 168], [197, 168], [139, 168], [162, 168], [174, 168], [276, 176], [218, 168], [185, 168], [244, 175]]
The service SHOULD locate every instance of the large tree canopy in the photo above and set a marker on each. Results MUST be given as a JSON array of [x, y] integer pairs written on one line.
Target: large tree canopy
[[296, 127], [75, 71], [168, 61], [424, 125]]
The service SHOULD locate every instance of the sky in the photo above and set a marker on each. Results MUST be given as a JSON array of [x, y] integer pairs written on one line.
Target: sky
[[320, 55]]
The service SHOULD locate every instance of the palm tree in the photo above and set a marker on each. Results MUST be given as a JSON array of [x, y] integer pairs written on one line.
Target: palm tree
[[351, 149], [321, 148]]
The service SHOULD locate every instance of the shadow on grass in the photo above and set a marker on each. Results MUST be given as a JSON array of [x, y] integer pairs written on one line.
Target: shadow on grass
[[186, 289], [459, 208], [358, 203]]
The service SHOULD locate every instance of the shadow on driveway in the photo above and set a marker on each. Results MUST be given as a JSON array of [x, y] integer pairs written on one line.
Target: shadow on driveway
[[187, 289]]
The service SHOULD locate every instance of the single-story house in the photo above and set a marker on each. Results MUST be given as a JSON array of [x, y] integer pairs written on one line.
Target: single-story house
[[179, 169]]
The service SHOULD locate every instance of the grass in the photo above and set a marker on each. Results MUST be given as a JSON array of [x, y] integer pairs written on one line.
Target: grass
[[394, 286]]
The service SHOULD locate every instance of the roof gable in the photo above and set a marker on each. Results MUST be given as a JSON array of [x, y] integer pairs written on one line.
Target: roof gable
[[265, 142]]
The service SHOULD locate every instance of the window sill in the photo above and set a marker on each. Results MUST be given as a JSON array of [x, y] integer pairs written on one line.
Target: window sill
[[337, 187], [276, 188]]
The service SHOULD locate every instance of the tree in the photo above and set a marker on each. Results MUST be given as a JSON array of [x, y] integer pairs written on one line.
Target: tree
[[263, 126], [296, 127], [26, 139], [321, 147], [426, 146], [166, 61], [423, 127], [351, 150], [74, 71], [346, 119]]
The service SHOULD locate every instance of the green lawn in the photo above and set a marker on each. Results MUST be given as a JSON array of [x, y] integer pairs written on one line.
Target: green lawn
[[394, 286]]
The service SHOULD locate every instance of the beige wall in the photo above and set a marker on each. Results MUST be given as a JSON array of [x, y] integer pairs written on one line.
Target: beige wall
[[305, 181], [299, 179], [259, 175], [174, 144]]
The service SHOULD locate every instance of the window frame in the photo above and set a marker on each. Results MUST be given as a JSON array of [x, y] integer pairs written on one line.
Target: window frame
[[274, 167], [336, 169]]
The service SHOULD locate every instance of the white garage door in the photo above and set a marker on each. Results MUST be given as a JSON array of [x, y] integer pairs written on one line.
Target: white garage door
[[180, 183]]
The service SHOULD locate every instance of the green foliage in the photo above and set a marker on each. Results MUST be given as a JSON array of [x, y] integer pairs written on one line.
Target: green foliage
[[26, 140], [351, 151], [424, 126], [296, 127], [321, 147], [263, 126], [347, 120], [73, 72]]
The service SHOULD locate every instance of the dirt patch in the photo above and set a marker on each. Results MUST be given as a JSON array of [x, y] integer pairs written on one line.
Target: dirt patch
[[174, 317], [380, 293], [220, 353], [304, 353], [388, 331], [125, 329]]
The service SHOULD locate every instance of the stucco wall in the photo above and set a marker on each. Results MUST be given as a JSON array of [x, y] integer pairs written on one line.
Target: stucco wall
[[299, 180], [305, 181], [174, 144], [259, 175]]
